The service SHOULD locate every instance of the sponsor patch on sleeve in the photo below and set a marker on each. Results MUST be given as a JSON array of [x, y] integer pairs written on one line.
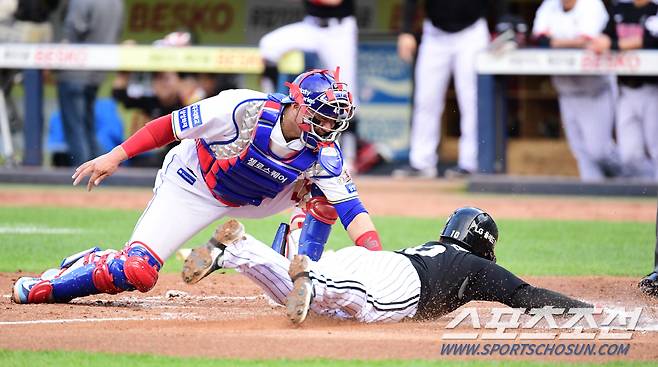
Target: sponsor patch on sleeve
[[183, 120], [351, 187], [195, 115]]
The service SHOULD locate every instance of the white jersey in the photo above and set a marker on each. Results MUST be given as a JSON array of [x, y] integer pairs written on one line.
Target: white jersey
[[227, 119], [586, 19], [224, 120]]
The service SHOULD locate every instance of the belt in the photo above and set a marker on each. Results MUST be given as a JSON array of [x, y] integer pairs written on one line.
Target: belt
[[326, 22]]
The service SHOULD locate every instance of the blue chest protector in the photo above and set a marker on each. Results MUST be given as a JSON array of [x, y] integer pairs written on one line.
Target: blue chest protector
[[256, 173]]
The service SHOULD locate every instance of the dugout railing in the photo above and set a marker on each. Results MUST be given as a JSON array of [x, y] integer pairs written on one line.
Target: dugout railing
[[492, 68], [32, 58]]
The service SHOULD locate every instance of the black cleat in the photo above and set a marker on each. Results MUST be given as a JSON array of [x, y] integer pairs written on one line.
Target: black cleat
[[409, 171], [456, 172], [649, 285]]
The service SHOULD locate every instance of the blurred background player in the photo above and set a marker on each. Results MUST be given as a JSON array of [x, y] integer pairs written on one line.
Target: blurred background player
[[649, 284], [330, 30], [278, 144], [637, 107], [454, 31], [586, 101], [86, 22], [423, 282]]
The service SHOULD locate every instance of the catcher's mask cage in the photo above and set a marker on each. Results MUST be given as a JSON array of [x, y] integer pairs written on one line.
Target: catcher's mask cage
[[474, 230], [322, 98]]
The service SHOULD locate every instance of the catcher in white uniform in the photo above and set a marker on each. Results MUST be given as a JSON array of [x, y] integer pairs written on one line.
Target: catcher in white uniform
[[586, 101], [242, 154], [421, 282]]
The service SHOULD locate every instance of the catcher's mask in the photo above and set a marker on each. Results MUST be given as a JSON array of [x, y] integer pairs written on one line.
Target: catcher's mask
[[326, 105], [474, 230]]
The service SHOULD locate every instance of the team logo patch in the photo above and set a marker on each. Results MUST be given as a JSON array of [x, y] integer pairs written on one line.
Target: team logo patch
[[186, 176], [183, 121], [351, 187], [195, 115]]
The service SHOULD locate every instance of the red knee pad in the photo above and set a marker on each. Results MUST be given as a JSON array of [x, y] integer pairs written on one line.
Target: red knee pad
[[41, 293], [322, 210], [140, 274], [102, 278]]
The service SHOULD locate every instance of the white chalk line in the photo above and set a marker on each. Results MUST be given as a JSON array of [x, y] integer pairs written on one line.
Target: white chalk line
[[30, 229], [151, 302], [69, 321]]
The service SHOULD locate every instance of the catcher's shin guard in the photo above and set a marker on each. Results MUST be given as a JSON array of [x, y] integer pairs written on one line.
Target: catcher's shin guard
[[320, 216], [109, 271]]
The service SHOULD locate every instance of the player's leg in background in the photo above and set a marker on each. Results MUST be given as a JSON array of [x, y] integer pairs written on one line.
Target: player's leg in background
[[469, 43], [572, 120], [596, 123], [650, 124], [432, 75], [339, 47], [89, 94], [296, 36], [261, 264], [629, 133], [72, 108]]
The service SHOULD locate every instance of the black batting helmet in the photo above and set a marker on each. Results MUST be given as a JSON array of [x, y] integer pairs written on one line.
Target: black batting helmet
[[474, 230]]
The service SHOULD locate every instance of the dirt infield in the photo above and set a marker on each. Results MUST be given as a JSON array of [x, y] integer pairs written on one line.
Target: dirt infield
[[384, 196], [226, 315]]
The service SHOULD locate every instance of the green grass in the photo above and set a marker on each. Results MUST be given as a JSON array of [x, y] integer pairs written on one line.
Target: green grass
[[526, 247], [80, 359]]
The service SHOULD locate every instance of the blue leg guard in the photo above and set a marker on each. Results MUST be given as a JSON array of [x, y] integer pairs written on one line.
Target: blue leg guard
[[320, 216], [136, 267]]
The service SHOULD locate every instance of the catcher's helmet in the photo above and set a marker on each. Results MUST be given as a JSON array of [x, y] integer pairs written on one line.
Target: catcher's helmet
[[322, 97], [472, 229]]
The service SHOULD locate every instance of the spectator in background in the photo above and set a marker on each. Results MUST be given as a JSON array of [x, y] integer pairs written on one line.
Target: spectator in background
[[586, 101], [454, 31], [86, 22], [25, 21], [329, 29], [108, 125], [629, 28], [164, 92]]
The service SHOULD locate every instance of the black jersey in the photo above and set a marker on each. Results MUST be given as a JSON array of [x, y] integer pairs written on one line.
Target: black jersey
[[650, 39], [344, 9], [451, 276], [452, 15], [627, 20]]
